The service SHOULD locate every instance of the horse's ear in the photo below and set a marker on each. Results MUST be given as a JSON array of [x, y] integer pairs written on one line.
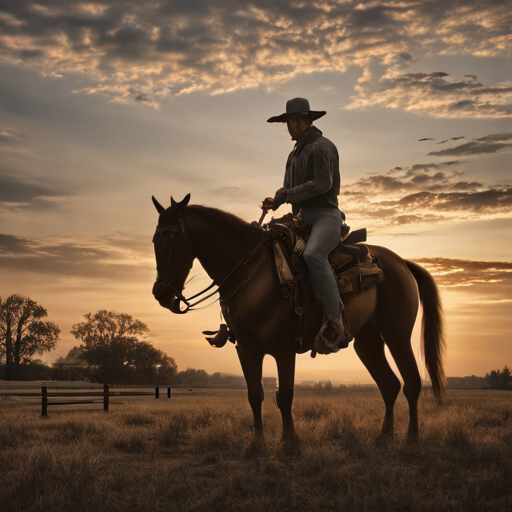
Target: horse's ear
[[173, 202], [158, 206], [185, 201]]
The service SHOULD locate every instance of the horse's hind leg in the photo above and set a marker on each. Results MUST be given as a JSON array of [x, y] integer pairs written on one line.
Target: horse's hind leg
[[252, 365], [369, 346], [401, 350]]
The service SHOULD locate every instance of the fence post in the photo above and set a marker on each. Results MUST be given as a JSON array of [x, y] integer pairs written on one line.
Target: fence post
[[157, 392], [44, 401], [105, 397], [168, 392]]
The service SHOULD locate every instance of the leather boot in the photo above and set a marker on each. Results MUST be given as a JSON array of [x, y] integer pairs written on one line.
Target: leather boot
[[346, 337], [335, 333]]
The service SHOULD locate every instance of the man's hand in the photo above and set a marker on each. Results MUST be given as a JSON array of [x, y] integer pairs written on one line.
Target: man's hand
[[267, 203], [279, 198]]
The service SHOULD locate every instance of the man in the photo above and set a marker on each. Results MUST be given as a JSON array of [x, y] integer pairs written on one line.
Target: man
[[312, 186]]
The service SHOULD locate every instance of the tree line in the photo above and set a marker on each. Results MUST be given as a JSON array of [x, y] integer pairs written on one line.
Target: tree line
[[497, 379], [112, 348]]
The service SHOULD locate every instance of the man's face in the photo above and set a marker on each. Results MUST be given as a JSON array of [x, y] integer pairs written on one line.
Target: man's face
[[296, 127]]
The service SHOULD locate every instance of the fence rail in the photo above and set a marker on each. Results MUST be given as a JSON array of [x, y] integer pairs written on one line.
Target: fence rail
[[105, 395]]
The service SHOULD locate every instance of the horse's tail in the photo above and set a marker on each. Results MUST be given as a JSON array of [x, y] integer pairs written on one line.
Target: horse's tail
[[432, 327]]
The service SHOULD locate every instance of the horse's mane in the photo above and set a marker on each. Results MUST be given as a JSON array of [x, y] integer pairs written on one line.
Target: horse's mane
[[226, 220]]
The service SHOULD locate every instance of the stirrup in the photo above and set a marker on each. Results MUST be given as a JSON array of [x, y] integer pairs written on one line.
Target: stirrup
[[344, 337], [221, 336], [321, 347]]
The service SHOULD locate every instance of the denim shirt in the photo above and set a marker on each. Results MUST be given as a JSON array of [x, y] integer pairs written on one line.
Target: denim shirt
[[312, 176]]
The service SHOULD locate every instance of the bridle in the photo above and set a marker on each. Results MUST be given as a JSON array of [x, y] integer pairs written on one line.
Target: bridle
[[179, 229], [171, 232]]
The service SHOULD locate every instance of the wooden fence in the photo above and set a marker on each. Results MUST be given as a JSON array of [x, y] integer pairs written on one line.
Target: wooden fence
[[94, 397]]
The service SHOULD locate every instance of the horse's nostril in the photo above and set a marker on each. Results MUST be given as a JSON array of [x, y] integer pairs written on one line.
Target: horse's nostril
[[158, 289]]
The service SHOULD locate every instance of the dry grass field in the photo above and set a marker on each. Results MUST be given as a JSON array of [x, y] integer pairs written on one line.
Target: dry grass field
[[192, 453]]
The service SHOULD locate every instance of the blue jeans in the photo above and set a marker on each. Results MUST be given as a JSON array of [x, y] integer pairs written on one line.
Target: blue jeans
[[325, 236]]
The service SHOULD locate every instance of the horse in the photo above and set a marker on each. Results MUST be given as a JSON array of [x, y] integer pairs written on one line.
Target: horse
[[234, 254]]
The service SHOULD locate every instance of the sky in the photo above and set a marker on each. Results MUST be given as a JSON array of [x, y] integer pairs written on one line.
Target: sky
[[106, 103]]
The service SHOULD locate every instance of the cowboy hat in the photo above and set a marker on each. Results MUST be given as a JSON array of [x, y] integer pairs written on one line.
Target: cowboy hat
[[294, 107]]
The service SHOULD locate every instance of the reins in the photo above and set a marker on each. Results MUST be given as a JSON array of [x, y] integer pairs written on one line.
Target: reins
[[180, 228]]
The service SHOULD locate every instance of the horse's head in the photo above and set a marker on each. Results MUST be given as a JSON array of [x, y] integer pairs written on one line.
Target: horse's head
[[174, 254]]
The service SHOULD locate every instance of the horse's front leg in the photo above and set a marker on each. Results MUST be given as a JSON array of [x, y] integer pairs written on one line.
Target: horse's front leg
[[252, 364], [284, 398]]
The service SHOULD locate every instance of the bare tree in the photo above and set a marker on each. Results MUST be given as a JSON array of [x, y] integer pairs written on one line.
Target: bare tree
[[23, 333]]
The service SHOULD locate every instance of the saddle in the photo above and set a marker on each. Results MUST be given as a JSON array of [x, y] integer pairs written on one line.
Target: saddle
[[355, 268]]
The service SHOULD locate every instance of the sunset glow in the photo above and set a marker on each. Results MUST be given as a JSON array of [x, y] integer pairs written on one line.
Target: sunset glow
[[106, 103]]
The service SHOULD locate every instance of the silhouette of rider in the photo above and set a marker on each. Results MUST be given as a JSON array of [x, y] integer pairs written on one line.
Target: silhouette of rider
[[312, 185]]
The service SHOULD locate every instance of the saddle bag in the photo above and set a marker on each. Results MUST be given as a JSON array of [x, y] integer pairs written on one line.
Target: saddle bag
[[361, 276]]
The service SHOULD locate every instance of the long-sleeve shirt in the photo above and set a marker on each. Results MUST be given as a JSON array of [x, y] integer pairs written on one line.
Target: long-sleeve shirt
[[312, 177]]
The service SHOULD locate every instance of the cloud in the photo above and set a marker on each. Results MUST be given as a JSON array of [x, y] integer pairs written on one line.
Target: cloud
[[424, 194], [16, 192], [485, 201], [443, 141], [484, 145], [12, 245], [396, 217], [437, 94], [19, 190], [448, 140], [495, 137], [7, 138], [166, 47], [462, 273], [114, 258], [429, 176]]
